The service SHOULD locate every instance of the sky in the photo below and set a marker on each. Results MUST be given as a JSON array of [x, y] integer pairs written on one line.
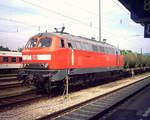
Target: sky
[[21, 19]]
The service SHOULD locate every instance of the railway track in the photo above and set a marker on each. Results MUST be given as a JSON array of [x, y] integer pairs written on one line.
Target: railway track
[[7, 78], [51, 108], [96, 107], [9, 81], [8, 75], [10, 85], [13, 92], [19, 99]]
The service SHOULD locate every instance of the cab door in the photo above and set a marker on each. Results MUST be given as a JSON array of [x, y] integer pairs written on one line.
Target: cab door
[[70, 54]]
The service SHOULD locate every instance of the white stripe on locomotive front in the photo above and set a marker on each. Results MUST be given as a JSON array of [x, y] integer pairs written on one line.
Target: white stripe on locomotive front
[[39, 57], [26, 57], [44, 57]]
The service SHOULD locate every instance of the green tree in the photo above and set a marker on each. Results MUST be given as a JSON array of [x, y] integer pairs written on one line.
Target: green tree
[[2, 48], [19, 49]]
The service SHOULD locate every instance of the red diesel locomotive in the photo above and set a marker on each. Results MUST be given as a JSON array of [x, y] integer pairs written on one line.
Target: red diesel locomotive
[[49, 57]]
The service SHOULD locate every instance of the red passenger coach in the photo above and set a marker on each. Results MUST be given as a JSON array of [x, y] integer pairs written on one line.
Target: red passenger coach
[[49, 57], [10, 61]]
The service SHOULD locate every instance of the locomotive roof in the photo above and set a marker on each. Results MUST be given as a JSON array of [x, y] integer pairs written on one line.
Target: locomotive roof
[[9, 53], [73, 37]]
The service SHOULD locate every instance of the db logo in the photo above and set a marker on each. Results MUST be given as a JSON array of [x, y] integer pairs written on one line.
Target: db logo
[[34, 57]]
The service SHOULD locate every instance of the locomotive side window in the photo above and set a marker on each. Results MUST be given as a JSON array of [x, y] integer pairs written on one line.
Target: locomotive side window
[[5, 59], [20, 59], [95, 49], [45, 42], [87, 47], [101, 49], [109, 50], [106, 50], [114, 51], [90, 47], [78, 46], [69, 45], [31, 43], [13, 59], [61, 43], [74, 45], [82, 46]]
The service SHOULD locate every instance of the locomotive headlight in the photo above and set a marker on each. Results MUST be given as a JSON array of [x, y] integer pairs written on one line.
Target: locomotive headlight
[[46, 65], [26, 65]]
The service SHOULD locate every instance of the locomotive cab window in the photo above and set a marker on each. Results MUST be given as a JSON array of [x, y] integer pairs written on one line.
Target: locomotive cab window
[[69, 45], [45, 42], [31, 43], [13, 59], [61, 43], [5, 59]]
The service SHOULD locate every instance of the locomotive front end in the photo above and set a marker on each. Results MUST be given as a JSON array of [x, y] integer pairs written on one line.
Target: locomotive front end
[[38, 68], [36, 60]]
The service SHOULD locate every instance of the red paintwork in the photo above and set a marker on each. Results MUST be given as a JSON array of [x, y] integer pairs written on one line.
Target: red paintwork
[[61, 57]]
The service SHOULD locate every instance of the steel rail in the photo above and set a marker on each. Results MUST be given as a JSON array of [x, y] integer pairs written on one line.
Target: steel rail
[[114, 97]]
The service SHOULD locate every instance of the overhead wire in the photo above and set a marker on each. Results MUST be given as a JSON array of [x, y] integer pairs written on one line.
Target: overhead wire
[[53, 11], [23, 23], [90, 12], [58, 13], [87, 11], [16, 21], [83, 9], [107, 32]]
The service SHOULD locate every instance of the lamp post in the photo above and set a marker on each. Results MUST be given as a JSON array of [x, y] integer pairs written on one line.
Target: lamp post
[[99, 20]]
